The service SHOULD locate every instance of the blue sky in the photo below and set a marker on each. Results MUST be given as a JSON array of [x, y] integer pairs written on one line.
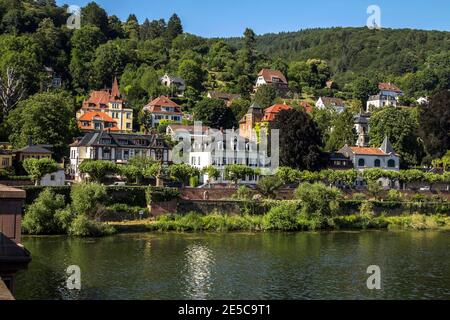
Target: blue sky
[[220, 18]]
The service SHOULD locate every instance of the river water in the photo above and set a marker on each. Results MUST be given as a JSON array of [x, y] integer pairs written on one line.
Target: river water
[[414, 265]]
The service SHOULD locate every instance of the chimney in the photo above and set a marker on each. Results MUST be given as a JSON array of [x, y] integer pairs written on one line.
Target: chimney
[[30, 141]]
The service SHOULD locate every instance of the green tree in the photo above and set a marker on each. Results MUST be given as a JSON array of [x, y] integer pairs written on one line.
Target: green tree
[[312, 73], [111, 59], [269, 185], [48, 118], [214, 113], [131, 27], [401, 127], [434, 124], [85, 42], [362, 88], [182, 173], [38, 168], [174, 27], [98, 169], [249, 50], [236, 172], [300, 140], [212, 172], [265, 96], [94, 15], [155, 171], [192, 73], [343, 132]]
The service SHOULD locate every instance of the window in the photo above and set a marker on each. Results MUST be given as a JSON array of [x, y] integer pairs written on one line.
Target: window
[[52, 177], [5, 162], [128, 125], [361, 162], [391, 163], [377, 163]]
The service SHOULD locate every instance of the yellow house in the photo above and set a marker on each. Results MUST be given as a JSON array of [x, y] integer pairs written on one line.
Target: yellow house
[[6, 159], [33, 151], [111, 103]]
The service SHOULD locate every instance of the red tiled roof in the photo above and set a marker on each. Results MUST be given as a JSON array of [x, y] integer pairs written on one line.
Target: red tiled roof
[[383, 86], [308, 108], [93, 115], [163, 101], [368, 151], [103, 97], [156, 105], [271, 112], [268, 74], [89, 116]]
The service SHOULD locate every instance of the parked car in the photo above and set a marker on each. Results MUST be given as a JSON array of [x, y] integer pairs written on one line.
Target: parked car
[[427, 188]]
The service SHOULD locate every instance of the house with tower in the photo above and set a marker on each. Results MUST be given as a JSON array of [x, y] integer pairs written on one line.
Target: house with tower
[[105, 110]]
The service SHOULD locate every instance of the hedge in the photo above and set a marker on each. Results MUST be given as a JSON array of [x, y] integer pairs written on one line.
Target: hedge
[[133, 196]]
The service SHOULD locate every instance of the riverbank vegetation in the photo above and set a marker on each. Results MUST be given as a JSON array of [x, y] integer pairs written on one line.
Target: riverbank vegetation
[[317, 207], [78, 210], [49, 213], [280, 220]]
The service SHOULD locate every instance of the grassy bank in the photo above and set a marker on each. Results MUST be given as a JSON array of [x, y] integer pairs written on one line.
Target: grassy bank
[[216, 222]]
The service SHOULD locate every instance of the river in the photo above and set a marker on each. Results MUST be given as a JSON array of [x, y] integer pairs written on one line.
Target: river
[[414, 265]]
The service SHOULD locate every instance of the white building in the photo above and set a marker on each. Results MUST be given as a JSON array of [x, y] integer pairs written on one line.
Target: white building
[[388, 96], [423, 100], [176, 84], [330, 103], [162, 108], [179, 132], [219, 149], [116, 147], [362, 158], [55, 179]]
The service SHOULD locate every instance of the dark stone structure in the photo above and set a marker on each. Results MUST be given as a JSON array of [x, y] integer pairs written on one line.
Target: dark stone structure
[[13, 257]]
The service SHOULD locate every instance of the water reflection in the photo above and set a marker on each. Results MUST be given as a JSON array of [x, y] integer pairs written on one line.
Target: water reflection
[[197, 273], [414, 265]]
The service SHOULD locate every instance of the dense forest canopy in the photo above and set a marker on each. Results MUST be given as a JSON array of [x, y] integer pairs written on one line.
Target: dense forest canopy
[[398, 55]]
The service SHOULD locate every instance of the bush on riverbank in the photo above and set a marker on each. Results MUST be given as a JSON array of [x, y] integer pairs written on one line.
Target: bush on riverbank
[[49, 214], [220, 223]]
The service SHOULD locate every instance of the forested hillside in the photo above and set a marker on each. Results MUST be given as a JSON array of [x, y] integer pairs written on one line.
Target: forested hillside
[[418, 60]]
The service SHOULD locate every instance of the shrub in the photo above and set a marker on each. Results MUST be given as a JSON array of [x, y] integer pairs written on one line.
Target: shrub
[[33, 192], [193, 182], [318, 199], [282, 217], [269, 185], [394, 196], [40, 216], [243, 193], [87, 198], [64, 218], [359, 196], [82, 226]]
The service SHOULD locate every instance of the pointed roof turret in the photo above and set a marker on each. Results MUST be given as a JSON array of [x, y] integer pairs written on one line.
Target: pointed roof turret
[[387, 146], [255, 108], [115, 89]]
